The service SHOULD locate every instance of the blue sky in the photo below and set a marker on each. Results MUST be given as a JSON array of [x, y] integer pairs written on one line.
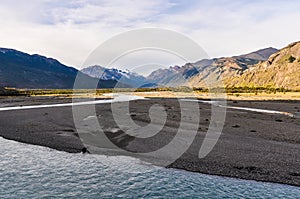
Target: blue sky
[[70, 30]]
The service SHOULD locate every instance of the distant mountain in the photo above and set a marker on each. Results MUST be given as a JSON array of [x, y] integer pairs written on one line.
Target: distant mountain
[[123, 76], [282, 69], [21, 70], [197, 74], [265, 67], [260, 55]]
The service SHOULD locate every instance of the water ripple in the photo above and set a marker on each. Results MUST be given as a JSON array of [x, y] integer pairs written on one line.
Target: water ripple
[[36, 172]]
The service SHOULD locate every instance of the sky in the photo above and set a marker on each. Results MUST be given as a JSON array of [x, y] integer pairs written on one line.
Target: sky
[[69, 30]]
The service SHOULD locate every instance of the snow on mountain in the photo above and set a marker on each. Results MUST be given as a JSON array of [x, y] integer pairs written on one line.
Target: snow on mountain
[[123, 76]]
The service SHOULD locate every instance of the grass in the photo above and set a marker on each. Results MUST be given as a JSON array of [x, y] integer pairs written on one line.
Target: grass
[[266, 89], [245, 92], [10, 92]]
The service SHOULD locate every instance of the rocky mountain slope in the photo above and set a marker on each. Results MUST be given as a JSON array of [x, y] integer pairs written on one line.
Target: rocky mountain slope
[[260, 55], [21, 70], [281, 70], [197, 74], [263, 68], [123, 76]]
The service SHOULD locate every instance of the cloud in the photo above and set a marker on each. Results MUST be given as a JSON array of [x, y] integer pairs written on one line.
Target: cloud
[[70, 29], [225, 28], [107, 12]]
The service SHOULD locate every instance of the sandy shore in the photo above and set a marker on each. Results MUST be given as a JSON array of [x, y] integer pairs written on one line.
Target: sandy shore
[[253, 145]]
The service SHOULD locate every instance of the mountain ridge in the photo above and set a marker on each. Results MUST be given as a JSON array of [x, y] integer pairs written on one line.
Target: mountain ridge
[[196, 74], [122, 76], [258, 68], [22, 70], [281, 70], [262, 54]]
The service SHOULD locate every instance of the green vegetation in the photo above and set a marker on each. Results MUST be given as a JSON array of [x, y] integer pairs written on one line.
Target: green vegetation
[[9, 92], [291, 59], [36, 92], [256, 90], [70, 92], [247, 89]]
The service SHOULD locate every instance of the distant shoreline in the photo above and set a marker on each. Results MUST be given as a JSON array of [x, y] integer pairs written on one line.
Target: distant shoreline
[[231, 94]]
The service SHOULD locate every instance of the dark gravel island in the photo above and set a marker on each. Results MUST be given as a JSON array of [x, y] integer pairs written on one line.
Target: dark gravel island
[[253, 145]]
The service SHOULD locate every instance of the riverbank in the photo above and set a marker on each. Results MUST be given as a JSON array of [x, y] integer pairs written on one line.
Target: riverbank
[[44, 172], [256, 146]]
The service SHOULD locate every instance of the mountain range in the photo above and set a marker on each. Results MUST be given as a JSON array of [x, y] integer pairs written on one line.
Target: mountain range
[[190, 74], [197, 74], [122, 76], [21, 70], [265, 67], [282, 69]]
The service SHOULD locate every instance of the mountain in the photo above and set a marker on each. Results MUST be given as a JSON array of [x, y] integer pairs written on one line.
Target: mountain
[[197, 74], [21, 70], [265, 67], [281, 70], [260, 55], [123, 76]]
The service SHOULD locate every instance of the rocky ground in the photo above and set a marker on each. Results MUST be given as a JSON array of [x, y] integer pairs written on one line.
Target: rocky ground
[[257, 146]]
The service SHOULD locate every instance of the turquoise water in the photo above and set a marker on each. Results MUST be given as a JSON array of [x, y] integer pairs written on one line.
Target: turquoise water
[[36, 172]]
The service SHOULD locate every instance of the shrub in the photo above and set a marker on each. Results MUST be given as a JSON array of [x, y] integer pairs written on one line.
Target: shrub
[[291, 59]]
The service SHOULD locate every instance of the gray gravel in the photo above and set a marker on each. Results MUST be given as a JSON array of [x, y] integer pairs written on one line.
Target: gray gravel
[[256, 146]]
